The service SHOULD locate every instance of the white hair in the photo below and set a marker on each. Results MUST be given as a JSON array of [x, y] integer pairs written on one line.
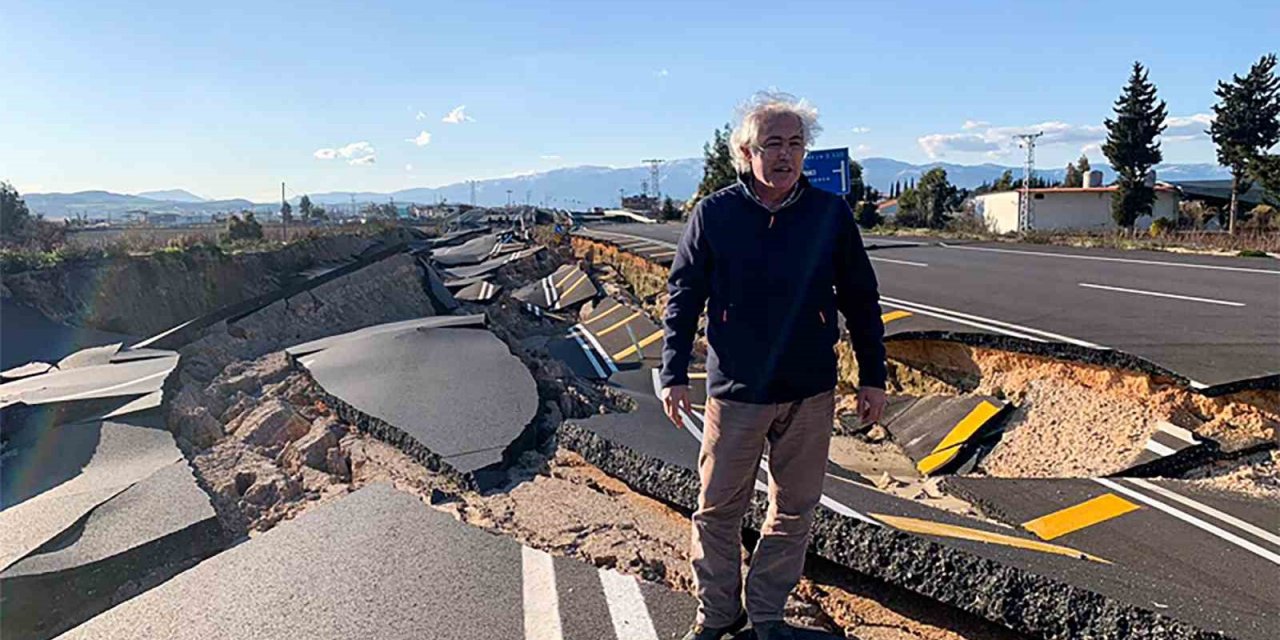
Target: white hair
[[762, 105]]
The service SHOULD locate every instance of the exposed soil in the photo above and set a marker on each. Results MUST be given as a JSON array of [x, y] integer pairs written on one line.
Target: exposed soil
[[1255, 476], [1076, 419]]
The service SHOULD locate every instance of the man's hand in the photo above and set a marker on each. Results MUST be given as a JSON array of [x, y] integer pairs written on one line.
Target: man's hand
[[675, 398], [870, 404]]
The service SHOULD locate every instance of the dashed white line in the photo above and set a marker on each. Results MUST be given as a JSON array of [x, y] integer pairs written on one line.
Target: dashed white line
[[1158, 263], [906, 262], [1157, 294], [1208, 510], [595, 364], [627, 608], [1191, 520], [541, 600]]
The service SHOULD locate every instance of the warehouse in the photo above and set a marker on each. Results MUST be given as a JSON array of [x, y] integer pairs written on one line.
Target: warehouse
[[1082, 208]]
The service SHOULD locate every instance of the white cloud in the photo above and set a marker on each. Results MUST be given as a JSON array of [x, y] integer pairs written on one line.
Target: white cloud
[[662, 73], [422, 139], [420, 116], [355, 153], [550, 157], [458, 115], [362, 161], [408, 167], [1187, 128], [1093, 149], [862, 149], [998, 142], [861, 129]]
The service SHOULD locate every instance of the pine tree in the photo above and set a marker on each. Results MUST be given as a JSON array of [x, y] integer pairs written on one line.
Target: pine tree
[[1132, 147], [305, 208], [1073, 179], [1004, 182], [1082, 165], [717, 164], [1247, 125]]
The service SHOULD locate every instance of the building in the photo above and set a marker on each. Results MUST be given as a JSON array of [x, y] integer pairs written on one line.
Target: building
[[1079, 208], [640, 203]]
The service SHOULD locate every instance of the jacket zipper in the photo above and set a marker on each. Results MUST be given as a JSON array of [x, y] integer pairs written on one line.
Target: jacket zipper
[[823, 317], [771, 217]]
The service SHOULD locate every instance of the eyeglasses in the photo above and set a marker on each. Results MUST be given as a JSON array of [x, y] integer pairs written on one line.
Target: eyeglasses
[[777, 147]]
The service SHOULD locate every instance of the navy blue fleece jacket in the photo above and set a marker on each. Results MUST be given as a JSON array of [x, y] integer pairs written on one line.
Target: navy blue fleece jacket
[[772, 284]]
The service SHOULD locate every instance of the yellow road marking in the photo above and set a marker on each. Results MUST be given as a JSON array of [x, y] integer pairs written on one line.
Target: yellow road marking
[[697, 376], [605, 314], [894, 315], [618, 324], [699, 407], [1077, 517], [662, 254], [565, 278], [927, 527], [570, 290], [950, 445], [653, 337]]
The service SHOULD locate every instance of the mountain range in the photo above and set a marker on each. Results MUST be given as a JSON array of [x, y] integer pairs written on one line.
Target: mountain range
[[570, 188]]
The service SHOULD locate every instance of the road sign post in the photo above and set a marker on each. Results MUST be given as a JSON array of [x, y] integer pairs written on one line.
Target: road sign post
[[828, 169]]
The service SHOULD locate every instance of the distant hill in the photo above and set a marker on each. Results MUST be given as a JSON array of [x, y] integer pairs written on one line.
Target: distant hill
[[572, 188], [172, 195], [101, 204]]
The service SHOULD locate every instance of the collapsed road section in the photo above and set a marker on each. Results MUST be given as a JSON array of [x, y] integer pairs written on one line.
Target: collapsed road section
[[1067, 587]]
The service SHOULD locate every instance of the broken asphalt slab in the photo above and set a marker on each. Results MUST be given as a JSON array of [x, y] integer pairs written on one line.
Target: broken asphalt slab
[[1012, 578], [938, 432], [379, 563], [566, 287], [470, 252], [92, 513], [451, 397], [138, 377]]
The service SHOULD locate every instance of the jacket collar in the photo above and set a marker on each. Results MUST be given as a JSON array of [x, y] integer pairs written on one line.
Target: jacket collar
[[744, 182]]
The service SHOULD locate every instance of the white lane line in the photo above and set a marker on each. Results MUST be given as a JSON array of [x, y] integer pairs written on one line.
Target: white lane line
[[990, 321], [595, 364], [541, 600], [596, 343], [1191, 520], [1158, 263], [122, 385], [1208, 510], [630, 615], [1159, 449], [985, 327], [1157, 294], [906, 262], [1175, 431]]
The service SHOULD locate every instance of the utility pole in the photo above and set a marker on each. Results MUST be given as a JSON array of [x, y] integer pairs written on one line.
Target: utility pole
[[655, 175], [508, 198], [284, 216], [621, 196], [473, 192], [353, 205], [1026, 212]]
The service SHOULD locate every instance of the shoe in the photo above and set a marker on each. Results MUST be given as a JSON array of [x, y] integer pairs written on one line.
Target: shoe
[[773, 630], [699, 632]]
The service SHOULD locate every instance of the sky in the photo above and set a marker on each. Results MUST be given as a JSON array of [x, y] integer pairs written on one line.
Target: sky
[[227, 99]]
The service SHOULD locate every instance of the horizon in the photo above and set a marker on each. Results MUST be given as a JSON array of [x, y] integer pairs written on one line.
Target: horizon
[[415, 96]]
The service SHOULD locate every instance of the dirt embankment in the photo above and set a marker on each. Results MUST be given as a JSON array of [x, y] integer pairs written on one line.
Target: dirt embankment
[[173, 287]]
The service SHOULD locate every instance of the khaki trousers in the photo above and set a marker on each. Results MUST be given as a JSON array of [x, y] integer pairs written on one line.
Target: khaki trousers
[[799, 435]]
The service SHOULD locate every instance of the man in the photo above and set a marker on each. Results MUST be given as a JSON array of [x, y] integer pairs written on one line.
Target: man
[[773, 260]]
